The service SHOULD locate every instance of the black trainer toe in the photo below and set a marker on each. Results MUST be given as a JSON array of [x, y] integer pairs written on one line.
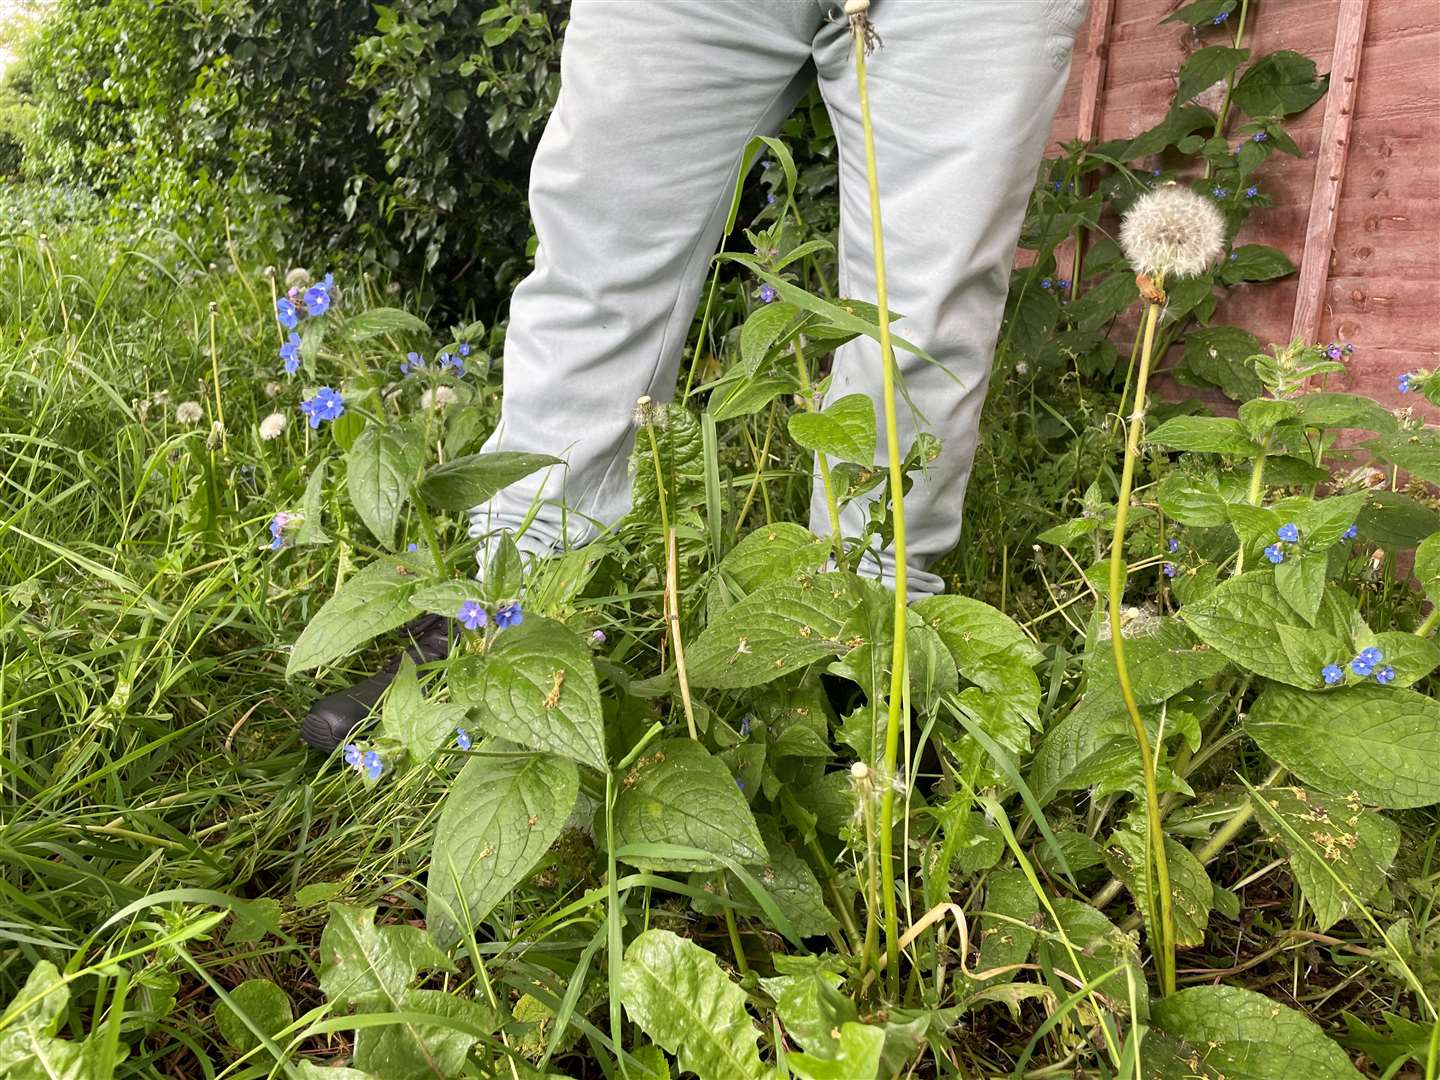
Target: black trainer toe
[[333, 717]]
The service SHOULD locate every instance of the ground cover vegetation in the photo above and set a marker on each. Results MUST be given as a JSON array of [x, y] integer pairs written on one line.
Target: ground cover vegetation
[[1149, 793]]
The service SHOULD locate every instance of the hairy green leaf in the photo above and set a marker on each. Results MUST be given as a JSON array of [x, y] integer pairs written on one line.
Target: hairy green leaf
[[844, 430], [375, 600], [469, 481]]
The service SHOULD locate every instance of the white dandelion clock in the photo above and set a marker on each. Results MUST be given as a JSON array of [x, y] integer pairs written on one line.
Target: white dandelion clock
[[189, 412], [1172, 232], [438, 398], [273, 426]]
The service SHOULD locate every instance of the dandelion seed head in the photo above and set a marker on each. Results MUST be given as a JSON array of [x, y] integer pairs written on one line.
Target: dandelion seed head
[[438, 397], [271, 389], [273, 426], [189, 412], [1172, 231], [297, 277]]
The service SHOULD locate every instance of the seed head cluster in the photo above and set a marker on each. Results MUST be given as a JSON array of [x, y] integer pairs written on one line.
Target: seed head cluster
[[1172, 231]]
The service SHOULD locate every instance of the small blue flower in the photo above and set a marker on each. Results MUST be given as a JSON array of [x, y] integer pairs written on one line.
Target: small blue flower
[[1154, 172], [325, 405], [1169, 569], [1063, 284], [1173, 545], [317, 297], [454, 363], [413, 362], [1046, 283], [1332, 674], [472, 616], [1350, 533], [1259, 136], [1057, 185], [769, 198], [1289, 532], [508, 615], [290, 353], [1252, 192], [277, 530], [353, 755], [740, 783], [464, 348], [1385, 675], [1218, 19], [745, 726], [1234, 255], [286, 313], [1403, 383], [1372, 655], [597, 638], [462, 738], [1219, 192], [372, 765], [767, 293], [1275, 553], [1360, 666]]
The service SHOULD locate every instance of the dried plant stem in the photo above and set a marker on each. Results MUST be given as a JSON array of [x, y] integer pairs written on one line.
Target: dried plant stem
[[1157, 869], [671, 602], [864, 37]]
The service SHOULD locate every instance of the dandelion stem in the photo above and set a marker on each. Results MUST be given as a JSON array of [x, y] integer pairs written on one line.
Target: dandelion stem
[[215, 375], [1163, 915], [893, 720], [671, 603], [1224, 113]]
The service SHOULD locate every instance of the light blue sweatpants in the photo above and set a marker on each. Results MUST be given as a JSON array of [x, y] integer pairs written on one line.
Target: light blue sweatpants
[[631, 185]]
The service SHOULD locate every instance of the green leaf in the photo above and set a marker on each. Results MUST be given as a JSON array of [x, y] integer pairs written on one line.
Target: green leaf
[[776, 629], [743, 395], [369, 967], [1427, 567], [1191, 892], [856, 1057], [1099, 304], [310, 531], [1242, 1035], [310, 1071], [374, 601], [845, 430], [1281, 84], [1178, 123], [28, 1048], [1380, 742], [677, 793], [379, 470], [773, 554], [1241, 619], [761, 330], [499, 820], [1205, 435], [377, 321], [536, 686], [1194, 500], [420, 1051], [794, 887], [1007, 941], [1417, 452], [1327, 409], [678, 995], [1396, 520], [1201, 12], [1030, 318], [988, 647], [1255, 262], [266, 1005], [1100, 946], [1301, 582], [1328, 837], [469, 481], [1220, 355], [1205, 67], [420, 727]]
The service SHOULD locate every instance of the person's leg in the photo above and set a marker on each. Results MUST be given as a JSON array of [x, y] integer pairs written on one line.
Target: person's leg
[[961, 96], [629, 191]]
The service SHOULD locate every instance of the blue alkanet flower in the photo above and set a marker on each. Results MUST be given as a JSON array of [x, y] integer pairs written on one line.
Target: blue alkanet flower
[[277, 530], [413, 362], [325, 405], [290, 353], [454, 363], [1371, 655], [372, 765], [1046, 283], [1385, 675], [1332, 674], [1259, 136], [767, 293], [1252, 192], [464, 348], [1275, 553], [1219, 192], [770, 198], [1403, 382], [412, 547], [462, 738], [286, 313], [597, 638], [472, 616], [1289, 532], [353, 755], [1063, 284], [745, 726], [1218, 19], [508, 615], [1350, 533], [1361, 668], [317, 297], [1169, 569], [1172, 545]]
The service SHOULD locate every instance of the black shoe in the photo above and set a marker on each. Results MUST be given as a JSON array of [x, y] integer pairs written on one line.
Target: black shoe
[[333, 717]]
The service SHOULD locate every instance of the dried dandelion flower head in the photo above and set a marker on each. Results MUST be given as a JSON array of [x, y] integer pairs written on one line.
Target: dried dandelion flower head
[[297, 278], [189, 412], [273, 426], [438, 398], [1172, 231]]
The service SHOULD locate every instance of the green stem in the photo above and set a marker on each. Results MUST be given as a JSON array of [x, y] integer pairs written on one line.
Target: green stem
[[897, 478], [1162, 928], [671, 602], [614, 939], [215, 374], [1224, 112], [1426, 628], [1252, 496], [732, 929]]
